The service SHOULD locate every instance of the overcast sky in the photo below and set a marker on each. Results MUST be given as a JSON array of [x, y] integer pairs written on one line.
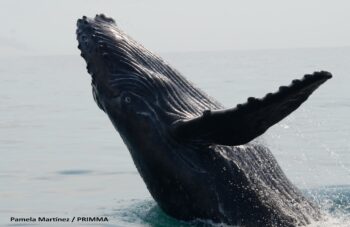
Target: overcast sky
[[48, 27]]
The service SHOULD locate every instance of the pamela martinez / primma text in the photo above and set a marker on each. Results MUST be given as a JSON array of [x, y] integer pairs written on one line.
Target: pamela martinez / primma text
[[58, 219]]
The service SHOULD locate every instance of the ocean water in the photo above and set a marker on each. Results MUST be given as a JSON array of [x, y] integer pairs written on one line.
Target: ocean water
[[61, 157]]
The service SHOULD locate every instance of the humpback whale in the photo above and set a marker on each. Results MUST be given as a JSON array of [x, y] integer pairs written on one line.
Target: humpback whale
[[198, 159]]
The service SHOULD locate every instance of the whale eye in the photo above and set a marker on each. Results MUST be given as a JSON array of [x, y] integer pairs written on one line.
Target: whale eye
[[127, 99]]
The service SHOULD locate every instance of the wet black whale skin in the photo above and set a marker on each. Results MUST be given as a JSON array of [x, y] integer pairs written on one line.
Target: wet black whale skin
[[196, 157]]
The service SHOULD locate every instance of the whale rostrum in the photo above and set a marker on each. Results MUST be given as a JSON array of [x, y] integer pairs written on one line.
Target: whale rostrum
[[198, 159]]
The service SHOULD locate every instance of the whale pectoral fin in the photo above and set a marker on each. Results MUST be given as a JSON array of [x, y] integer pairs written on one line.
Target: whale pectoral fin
[[247, 121]]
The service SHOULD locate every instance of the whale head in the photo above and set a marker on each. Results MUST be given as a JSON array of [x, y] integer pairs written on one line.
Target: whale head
[[138, 90]]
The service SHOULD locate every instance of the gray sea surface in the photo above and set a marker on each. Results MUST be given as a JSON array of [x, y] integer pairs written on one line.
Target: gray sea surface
[[61, 157]]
